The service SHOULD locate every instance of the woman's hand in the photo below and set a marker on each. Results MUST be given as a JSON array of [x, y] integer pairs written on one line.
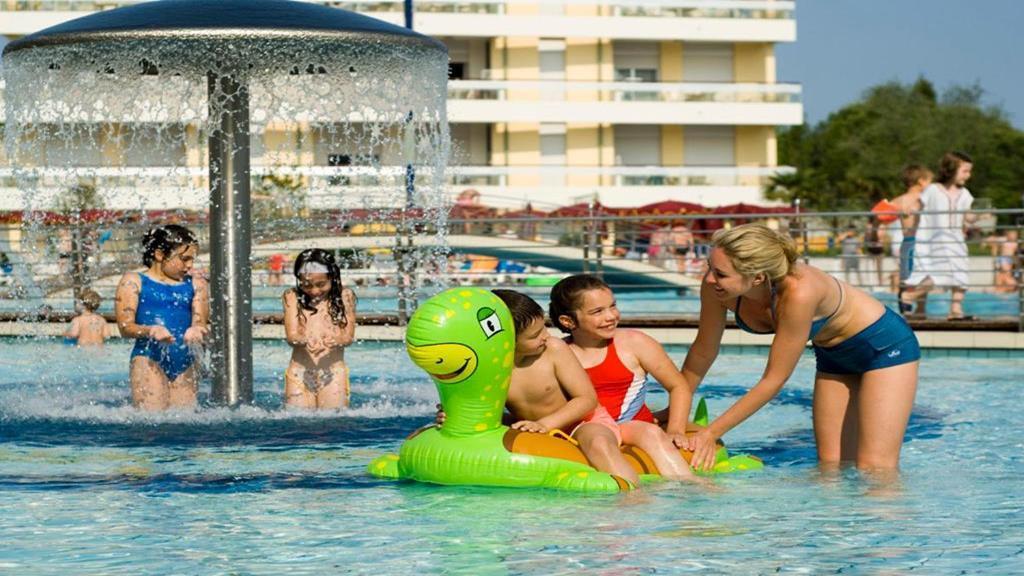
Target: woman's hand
[[679, 440], [440, 417], [160, 334], [530, 426], [704, 445], [196, 334]]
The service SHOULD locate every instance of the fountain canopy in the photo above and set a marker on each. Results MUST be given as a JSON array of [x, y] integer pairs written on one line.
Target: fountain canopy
[[223, 20]]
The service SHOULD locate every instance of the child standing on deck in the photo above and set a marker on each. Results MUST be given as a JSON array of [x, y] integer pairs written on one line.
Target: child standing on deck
[[88, 328], [319, 321], [166, 310], [618, 362]]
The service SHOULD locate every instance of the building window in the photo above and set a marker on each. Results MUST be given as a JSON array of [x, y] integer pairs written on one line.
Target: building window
[[637, 145], [339, 160], [709, 145], [552, 153], [707, 62]]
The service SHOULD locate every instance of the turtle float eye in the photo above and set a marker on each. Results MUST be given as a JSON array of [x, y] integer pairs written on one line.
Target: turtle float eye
[[489, 321]]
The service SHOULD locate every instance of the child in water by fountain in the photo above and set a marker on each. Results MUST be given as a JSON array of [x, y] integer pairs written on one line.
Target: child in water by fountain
[[319, 321], [166, 310], [88, 328], [618, 362]]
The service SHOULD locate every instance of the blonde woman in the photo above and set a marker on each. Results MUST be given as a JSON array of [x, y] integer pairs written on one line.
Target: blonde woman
[[867, 356]]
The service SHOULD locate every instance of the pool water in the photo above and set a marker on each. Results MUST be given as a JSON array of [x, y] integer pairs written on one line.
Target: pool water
[[89, 485]]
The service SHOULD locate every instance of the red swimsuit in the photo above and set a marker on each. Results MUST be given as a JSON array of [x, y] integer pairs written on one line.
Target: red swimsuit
[[619, 390]]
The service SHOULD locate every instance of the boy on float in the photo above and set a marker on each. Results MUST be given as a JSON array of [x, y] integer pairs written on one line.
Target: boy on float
[[549, 390], [618, 362]]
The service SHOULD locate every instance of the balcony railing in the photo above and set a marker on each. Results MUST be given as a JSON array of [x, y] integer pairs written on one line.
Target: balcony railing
[[326, 176], [733, 9], [350, 187], [621, 175], [625, 91]]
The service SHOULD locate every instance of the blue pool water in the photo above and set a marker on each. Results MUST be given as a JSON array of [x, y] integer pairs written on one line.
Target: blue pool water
[[89, 485]]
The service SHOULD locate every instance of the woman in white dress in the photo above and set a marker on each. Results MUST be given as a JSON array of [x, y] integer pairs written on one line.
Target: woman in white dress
[[940, 257]]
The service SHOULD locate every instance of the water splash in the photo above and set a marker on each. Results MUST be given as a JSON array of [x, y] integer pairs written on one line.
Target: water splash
[[113, 144]]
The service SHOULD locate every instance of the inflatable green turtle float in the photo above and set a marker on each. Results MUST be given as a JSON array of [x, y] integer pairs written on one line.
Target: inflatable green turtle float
[[464, 339]]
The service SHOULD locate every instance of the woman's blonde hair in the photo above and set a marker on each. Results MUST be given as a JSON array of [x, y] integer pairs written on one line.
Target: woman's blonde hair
[[756, 249]]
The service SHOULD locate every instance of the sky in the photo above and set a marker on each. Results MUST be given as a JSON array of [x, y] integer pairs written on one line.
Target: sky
[[844, 47]]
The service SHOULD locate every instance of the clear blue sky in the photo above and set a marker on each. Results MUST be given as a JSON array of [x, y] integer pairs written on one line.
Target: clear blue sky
[[846, 46]]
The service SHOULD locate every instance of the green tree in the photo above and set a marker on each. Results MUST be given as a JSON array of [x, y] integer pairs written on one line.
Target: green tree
[[854, 157]]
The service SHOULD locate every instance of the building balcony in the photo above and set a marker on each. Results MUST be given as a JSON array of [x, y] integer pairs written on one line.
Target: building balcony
[[490, 101], [695, 20], [475, 101], [348, 187]]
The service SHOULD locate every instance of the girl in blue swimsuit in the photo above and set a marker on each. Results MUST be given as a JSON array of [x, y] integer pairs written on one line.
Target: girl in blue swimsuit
[[867, 356], [166, 311]]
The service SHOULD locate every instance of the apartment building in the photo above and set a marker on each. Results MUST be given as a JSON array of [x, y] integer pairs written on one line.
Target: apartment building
[[560, 101]]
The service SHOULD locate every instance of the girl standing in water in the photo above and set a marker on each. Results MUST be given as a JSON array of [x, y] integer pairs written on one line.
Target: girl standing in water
[[319, 322], [167, 311]]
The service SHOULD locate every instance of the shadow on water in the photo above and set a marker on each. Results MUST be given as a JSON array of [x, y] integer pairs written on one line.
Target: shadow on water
[[266, 426], [283, 432], [205, 483]]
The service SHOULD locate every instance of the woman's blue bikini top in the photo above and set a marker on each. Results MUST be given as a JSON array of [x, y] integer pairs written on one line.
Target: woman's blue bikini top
[[816, 325]]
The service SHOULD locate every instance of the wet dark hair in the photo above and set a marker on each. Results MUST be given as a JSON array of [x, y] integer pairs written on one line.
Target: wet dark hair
[[167, 239], [337, 305], [523, 308], [566, 296], [949, 164]]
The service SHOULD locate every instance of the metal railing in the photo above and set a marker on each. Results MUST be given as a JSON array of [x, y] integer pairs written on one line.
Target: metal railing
[[654, 260], [670, 92], [362, 186], [732, 9]]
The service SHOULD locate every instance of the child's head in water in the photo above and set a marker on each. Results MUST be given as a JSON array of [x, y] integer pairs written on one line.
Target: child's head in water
[[528, 320], [89, 300], [171, 248], [585, 305], [318, 278]]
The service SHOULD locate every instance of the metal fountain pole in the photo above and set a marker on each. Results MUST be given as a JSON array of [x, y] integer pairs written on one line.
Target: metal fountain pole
[[230, 239], [402, 254]]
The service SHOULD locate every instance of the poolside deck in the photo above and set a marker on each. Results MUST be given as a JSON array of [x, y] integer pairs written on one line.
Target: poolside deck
[[933, 333]]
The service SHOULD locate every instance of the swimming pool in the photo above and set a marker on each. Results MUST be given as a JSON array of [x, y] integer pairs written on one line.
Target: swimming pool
[[88, 485]]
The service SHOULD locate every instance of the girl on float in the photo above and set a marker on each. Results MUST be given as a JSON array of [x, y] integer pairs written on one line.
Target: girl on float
[[166, 311], [867, 355], [319, 321], [618, 361]]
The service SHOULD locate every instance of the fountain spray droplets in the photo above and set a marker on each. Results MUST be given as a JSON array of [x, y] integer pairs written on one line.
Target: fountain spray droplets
[[333, 111], [329, 130]]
